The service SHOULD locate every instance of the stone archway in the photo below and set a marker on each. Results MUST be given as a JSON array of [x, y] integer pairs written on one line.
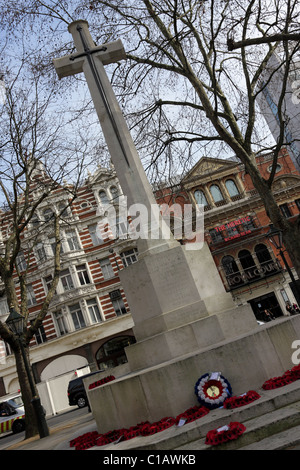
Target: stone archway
[[62, 365]]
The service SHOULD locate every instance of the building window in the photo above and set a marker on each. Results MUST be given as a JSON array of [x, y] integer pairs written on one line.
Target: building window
[[48, 214], [200, 198], [232, 188], [106, 268], [248, 224], [48, 281], [40, 252], [265, 259], [121, 228], [64, 210], [66, 280], [248, 265], [112, 353], [103, 197], [3, 307], [31, 300], [21, 262], [114, 193], [77, 316], [262, 253], [35, 220], [278, 168], [94, 311], [95, 234], [118, 303], [52, 243], [60, 323], [40, 335], [232, 272], [298, 204], [216, 236], [83, 275], [129, 257], [285, 210], [72, 240], [216, 193]]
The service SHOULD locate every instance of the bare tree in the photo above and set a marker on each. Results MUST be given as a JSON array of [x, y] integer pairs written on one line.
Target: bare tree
[[34, 160], [183, 91]]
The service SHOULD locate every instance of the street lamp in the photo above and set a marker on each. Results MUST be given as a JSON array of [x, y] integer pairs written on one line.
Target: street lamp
[[275, 237], [16, 324]]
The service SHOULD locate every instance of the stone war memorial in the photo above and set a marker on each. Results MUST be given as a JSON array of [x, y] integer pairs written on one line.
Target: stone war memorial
[[186, 324]]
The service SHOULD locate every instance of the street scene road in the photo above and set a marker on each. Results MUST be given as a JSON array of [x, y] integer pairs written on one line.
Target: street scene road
[[69, 420]]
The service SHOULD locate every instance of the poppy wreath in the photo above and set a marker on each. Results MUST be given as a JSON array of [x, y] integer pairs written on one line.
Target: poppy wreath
[[192, 414], [91, 439], [224, 434], [85, 441], [147, 429], [101, 381], [110, 437], [288, 377], [142, 429], [205, 385], [245, 399]]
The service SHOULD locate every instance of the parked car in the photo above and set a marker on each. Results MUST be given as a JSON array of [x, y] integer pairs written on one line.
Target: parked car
[[12, 415], [76, 391]]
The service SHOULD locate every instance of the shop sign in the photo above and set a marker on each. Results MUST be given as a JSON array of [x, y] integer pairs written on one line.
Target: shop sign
[[238, 278], [231, 228]]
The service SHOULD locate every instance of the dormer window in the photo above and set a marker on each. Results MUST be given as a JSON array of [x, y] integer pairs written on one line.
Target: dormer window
[[48, 214], [35, 220], [114, 193], [103, 197]]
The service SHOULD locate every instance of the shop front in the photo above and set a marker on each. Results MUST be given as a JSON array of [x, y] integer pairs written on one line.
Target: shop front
[[267, 302]]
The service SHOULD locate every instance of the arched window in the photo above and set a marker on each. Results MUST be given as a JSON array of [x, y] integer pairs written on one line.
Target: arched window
[[63, 209], [216, 193], [114, 192], [103, 197], [48, 214], [232, 272], [112, 354], [35, 220], [200, 198], [232, 188], [265, 259], [262, 253], [248, 265]]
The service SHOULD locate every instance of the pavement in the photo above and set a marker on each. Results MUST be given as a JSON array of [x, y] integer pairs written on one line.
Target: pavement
[[59, 435], [272, 423]]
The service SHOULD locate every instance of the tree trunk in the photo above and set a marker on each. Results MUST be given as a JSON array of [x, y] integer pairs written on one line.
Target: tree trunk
[[31, 428], [290, 230]]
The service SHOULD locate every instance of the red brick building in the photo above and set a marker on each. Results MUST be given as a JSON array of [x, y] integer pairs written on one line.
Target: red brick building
[[236, 225], [88, 322]]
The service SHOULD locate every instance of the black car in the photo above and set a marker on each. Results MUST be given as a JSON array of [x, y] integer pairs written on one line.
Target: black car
[[76, 391]]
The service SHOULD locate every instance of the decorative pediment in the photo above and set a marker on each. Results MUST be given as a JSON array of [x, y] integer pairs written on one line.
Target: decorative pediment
[[101, 174], [207, 166], [285, 181]]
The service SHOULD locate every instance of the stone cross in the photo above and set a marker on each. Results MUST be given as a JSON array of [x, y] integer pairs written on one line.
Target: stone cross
[[90, 60]]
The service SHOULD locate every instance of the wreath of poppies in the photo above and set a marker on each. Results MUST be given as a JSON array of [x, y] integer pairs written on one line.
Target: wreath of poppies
[[105, 380], [242, 400], [212, 390], [224, 434], [288, 377]]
